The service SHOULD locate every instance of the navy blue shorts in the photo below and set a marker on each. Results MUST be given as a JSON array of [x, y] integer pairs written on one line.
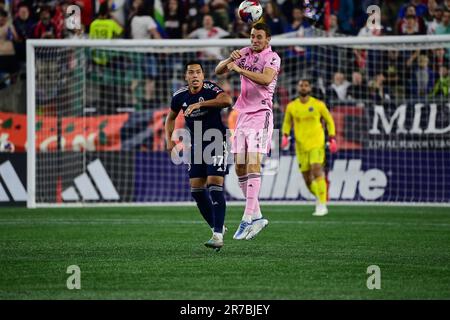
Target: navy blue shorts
[[216, 166], [205, 170]]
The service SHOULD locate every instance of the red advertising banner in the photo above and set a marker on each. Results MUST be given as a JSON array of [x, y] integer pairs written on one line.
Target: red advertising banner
[[159, 140], [13, 128], [339, 116], [99, 133]]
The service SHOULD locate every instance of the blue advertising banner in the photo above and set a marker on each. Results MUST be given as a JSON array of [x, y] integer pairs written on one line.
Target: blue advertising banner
[[358, 175], [157, 179], [398, 176]]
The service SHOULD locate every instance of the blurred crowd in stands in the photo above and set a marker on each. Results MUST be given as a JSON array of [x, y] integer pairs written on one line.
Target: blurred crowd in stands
[[417, 73]]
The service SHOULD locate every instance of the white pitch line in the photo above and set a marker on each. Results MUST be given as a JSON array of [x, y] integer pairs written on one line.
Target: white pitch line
[[175, 222]]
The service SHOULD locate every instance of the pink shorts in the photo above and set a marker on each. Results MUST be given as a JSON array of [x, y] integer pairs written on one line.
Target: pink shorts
[[253, 132]]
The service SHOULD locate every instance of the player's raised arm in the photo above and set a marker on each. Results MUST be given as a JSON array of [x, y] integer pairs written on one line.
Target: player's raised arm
[[264, 78], [223, 100], [264, 71], [169, 127], [222, 68]]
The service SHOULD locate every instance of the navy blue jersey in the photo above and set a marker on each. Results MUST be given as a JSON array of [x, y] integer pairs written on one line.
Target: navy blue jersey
[[201, 162], [209, 116]]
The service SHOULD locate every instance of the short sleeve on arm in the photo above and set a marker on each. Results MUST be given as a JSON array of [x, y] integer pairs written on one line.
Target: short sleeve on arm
[[273, 62], [117, 29], [151, 24], [216, 90], [175, 105]]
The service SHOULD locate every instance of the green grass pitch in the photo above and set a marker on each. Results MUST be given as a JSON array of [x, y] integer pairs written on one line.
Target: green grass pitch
[[158, 253]]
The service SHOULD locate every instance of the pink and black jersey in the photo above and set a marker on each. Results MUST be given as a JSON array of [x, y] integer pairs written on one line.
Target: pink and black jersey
[[255, 97]]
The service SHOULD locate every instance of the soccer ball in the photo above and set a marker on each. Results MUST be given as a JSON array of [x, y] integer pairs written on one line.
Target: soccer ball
[[250, 11], [7, 146]]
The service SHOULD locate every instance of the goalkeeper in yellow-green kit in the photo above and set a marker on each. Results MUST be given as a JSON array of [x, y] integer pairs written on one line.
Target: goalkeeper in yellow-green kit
[[306, 113]]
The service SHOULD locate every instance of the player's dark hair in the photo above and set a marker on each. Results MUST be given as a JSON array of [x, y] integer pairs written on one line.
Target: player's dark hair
[[3, 13], [191, 62], [45, 8], [23, 4], [262, 26], [143, 10], [305, 80], [103, 11]]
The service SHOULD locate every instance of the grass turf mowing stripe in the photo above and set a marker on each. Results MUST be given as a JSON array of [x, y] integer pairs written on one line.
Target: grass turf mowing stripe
[[158, 253]]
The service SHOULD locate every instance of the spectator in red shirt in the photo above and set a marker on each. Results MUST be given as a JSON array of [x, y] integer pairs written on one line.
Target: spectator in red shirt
[[45, 28]]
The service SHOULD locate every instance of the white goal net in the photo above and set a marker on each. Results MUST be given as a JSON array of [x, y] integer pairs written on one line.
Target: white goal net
[[96, 112]]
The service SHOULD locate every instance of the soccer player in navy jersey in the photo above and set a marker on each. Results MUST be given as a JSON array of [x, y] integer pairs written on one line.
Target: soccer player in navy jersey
[[202, 102]]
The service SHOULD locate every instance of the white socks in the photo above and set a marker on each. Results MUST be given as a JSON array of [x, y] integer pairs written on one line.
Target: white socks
[[218, 235], [248, 217]]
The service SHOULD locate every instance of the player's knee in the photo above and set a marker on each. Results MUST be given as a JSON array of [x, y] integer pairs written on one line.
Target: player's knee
[[254, 159], [307, 177], [317, 171], [197, 183], [254, 168], [241, 170], [215, 180], [240, 159]]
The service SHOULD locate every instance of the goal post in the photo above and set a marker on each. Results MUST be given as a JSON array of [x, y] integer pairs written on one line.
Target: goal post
[[96, 111], [31, 119]]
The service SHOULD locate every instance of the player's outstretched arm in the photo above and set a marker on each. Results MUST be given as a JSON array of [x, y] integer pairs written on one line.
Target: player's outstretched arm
[[221, 68], [169, 128], [223, 100]]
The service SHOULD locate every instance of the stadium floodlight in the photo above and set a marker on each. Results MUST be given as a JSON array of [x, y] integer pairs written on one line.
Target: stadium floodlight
[[96, 110]]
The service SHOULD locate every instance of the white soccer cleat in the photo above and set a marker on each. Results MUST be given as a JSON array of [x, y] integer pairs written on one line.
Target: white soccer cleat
[[216, 242], [243, 230], [224, 230], [321, 210], [257, 226]]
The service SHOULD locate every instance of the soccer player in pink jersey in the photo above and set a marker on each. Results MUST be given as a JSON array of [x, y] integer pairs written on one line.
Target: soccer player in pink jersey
[[258, 67]]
